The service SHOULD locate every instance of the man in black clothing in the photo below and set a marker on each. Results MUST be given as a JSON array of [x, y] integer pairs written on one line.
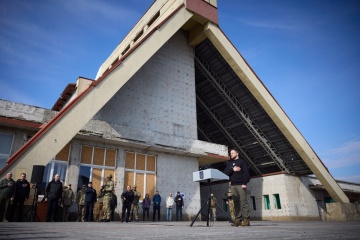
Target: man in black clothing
[[179, 201], [90, 199], [127, 198], [238, 172], [22, 191], [53, 195], [113, 205]]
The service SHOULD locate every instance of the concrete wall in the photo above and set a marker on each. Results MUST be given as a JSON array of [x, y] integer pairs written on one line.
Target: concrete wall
[[342, 212], [160, 97], [25, 112], [297, 201]]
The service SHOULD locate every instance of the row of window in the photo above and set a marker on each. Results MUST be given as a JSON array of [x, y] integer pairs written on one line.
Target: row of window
[[96, 163], [267, 205]]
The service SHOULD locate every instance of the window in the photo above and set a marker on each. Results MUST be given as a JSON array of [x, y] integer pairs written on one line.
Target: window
[[252, 201], [277, 201], [58, 165], [6, 142], [140, 169], [267, 202], [95, 164]]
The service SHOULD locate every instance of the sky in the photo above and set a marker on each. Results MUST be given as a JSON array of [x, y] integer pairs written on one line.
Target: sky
[[307, 53]]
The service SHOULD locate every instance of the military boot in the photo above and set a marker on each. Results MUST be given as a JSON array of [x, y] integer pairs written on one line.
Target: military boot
[[237, 223], [245, 223]]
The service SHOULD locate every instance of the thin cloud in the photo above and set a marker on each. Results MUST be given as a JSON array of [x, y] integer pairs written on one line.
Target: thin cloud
[[346, 155], [267, 24], [13, 94], [353, 179]]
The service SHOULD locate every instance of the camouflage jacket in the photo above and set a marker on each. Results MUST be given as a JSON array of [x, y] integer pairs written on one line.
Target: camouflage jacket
[[68, 197], [81, 197]]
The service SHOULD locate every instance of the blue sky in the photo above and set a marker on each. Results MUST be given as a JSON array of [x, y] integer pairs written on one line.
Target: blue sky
[[306, 52]]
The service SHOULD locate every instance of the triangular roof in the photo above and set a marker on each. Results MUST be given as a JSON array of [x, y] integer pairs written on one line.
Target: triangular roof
[[234, 108]]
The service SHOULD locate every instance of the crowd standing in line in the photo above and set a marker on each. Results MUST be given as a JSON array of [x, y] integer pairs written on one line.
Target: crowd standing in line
[[101, 207]]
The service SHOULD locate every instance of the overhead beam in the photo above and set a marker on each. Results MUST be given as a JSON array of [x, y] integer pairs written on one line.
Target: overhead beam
[[220, 123], [239, 110], [273, 109]]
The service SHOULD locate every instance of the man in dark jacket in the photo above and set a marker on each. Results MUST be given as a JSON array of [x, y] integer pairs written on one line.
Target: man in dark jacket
[[53, 195], [179, 201], [238, 172], [127, 198], [7, 193], [22, 191], [90, 199], [156, 207], [113, 205]]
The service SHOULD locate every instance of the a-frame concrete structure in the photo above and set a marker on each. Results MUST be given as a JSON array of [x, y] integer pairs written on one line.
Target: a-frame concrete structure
[[199, 19]]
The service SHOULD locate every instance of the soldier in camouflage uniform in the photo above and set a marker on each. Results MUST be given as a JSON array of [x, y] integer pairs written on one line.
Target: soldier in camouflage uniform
[[68, 198], [213, 206], [80, 200], [108, 189], [230, 202], [98, 213], [135, 205]]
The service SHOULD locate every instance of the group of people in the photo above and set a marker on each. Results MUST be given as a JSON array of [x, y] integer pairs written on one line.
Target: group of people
[[12, 197], [93, 206], [14, 193], [130, 205]]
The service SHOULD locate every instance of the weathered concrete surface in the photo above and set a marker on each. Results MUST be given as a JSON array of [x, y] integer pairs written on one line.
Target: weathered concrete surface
[[342, 212], [181, 230]]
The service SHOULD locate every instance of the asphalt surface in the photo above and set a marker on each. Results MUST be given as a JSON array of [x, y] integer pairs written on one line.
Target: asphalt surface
[[180, 230]]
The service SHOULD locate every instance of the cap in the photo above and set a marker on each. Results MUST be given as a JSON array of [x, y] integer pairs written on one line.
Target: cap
[[109, 176]]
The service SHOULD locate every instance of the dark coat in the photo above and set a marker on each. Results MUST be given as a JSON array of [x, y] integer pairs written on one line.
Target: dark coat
[[5, 190], [156, 200], [54, 190], [22, 189], [241, 177], [127, 197], [178, 199], [90, 195]]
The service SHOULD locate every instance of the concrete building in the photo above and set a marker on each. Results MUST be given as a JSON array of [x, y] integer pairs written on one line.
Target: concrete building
[[173, 96]]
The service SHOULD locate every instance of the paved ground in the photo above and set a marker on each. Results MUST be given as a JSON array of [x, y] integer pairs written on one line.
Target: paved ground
[[180, 230]]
